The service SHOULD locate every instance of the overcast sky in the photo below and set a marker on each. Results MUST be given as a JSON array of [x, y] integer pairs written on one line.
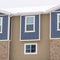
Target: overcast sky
[[27, 5]]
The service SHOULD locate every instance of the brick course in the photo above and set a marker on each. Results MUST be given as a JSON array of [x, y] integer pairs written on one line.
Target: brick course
[[4, 50], [55, 50]]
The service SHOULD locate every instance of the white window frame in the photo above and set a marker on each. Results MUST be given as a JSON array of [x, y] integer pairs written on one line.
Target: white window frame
[[1, 24], [30, 44], [30, 24], [58, 22]]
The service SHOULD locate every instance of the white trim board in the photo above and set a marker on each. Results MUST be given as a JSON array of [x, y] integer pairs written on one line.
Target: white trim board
[[8, 27], [30, 13], [8, 50], [1, 24], [58, 14]]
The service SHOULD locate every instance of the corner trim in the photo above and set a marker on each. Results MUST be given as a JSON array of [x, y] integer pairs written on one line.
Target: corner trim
[[8, 27]]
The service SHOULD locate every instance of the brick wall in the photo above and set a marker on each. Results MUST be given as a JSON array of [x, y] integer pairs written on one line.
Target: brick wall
[[4, 50], [54, 49]]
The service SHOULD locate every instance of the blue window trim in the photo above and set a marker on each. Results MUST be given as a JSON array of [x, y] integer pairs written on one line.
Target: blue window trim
[[50, 27], [39, 29], [8, 34]]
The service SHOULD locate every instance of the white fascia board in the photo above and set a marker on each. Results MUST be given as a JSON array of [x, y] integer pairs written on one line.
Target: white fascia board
[[29, 13]]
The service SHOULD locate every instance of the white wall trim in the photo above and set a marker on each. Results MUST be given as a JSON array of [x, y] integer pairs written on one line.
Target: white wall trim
[[5, 40], [30, 44], [8, 27], [50, 25], [30, 13], [8, 49], [39, 26]]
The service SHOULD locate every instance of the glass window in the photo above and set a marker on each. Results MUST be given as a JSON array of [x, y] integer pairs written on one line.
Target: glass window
[[29, 20], [29, 27], [30, 48], [1, 18], [29, 23], [27, 48], [33, 48]]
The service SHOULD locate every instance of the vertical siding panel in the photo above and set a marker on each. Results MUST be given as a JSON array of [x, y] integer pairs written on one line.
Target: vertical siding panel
[[44, 42], [17, 47]]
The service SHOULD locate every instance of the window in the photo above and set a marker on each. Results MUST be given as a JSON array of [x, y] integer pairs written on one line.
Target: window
[[30, 48], [1, 19], [29, 23]]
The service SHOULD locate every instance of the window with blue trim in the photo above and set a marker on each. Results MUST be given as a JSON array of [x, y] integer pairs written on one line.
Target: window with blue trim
[[29, 23], [30, 48], [1, 20], [58, 22], [30, 27]]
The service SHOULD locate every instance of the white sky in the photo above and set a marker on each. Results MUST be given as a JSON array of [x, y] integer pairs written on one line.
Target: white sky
[[15, 6]]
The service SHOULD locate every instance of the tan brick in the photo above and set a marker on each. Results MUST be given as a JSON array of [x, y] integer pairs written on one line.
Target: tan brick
[[4, 50], [55, 50]]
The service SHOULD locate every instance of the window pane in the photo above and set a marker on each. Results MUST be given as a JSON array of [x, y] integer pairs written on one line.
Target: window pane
[[29, 19], [59, 25], [0, 28], [33, 48], [0, 21], [59, 18], [27, 48], [29, 27]]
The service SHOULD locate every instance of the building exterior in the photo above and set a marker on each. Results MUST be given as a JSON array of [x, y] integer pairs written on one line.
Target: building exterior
[[20, 45], [30, 36], [4, 35]]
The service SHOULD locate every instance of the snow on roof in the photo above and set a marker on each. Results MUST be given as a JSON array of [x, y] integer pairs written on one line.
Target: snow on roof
[[54, 8], [5, 12], [27, 9]]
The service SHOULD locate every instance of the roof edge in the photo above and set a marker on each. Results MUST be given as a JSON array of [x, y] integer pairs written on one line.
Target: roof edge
[[54, 8], [29, 13], [5, 12]]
